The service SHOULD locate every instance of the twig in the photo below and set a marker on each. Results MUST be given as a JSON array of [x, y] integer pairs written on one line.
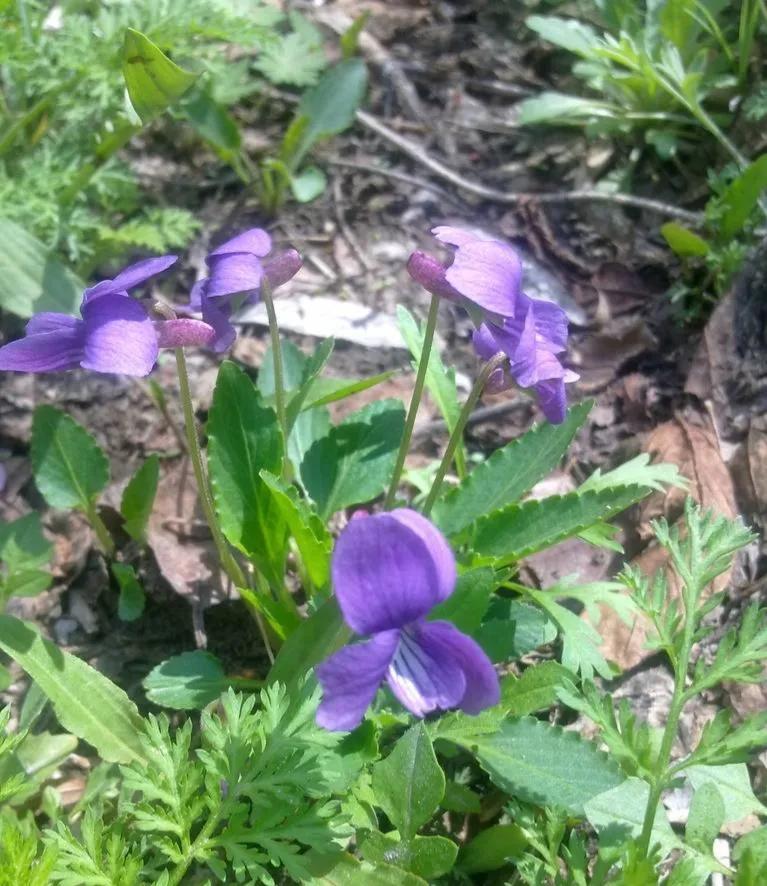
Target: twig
[[346, 231], [398, 176], [512, 197]]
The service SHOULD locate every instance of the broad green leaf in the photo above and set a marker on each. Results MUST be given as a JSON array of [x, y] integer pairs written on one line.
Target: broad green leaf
[[741, 196], [26, 583], [211, 120], [519, 530], [354, 462], [36, 759], [492, 848], [706, 817], [317, 637], [349, 871], [330, 390], [308, 184], [467, 605], [460, 798], [440, 379], [734, 785], [187, 681], [132, 599], [330, 106], [69, 467], [509, 473], [545, 765], [244, 438], [535, 690], [31, 278], [138, 498], [623, 806], [513, 629], [153, 81], [409, 784], [568, 33], [87, 704], [23, 545], [310, 533], [428, 857], [683, 241]]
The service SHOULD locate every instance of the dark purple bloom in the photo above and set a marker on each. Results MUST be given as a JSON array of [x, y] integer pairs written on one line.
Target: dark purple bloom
[[115, 333], [389, 571], [531, 341], [236, 270]]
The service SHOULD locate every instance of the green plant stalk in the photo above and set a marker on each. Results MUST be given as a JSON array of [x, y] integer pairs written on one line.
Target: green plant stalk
[[415, 401], [109, 145], [227, 559], [457, 434], [102, 533], [190, 850], [279, 374]]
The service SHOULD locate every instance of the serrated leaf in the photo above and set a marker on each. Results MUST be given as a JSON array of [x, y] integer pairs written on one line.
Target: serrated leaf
[[153, 81], [733, 783], [535, 690], [519, 530], [544, 765], [638, 471], [409, 784], [69, 467], [138, 498], [87, 704], [32, 279], [509, 473], [467, 605], [292, 59], [132, 600], [310, 533], [244, 438], [354, 462], [187, 681]]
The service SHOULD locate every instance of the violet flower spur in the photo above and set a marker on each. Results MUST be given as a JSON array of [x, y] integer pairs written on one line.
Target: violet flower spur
[[237, 269], [389, 570]]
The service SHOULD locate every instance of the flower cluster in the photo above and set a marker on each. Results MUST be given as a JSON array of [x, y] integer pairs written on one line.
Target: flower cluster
[[485, 277], [115, 332], [389, 571]]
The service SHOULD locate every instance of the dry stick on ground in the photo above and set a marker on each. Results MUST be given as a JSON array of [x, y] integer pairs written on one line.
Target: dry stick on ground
[[511, 197], [399, 176]]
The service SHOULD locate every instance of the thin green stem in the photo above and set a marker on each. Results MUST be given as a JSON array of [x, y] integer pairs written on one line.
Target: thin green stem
[[200, 840], [457, 434], [279, 375], [415, 401], [102, 533]]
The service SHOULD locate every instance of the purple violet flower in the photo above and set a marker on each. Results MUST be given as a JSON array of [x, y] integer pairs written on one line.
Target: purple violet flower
[[389, 570], [485, 277], [115, 334], [236, 270]]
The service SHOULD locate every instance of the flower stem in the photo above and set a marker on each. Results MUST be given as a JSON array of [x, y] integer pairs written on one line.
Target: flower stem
[[227, 559], [415, 401], [279, 375], [102, 533], [457, 434]]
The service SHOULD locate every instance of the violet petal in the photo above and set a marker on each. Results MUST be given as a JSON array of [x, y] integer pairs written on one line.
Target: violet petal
[[489, 273], [441, 641], [390, 570], [119, 336], [45, 351], [141, 271], [350, 679], [216, 313], [230, 274], [51, 321], [255, 241]]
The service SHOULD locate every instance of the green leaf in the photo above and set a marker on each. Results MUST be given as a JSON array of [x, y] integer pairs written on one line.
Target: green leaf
[[638, 471], [293, 60], [244, 438], [568, 33], [308, 184], [153, 81], [23, 545], [734, 786], [440, 379], [509, 473], [87, 704], [513, 629], [132, 599], [328, 108], [492, 848], [409, 784], [317, 637], [350, 38], [683, 241], [350, 872], [706, 817], [544, 765], [741, 196], [310, 533], [459, 798], [535, 690], [427, 857], [211, 120], [330, 390], [549, 107], [519, 530], [69, 467], [354, 462], [31, 278], [187, 681], [138, 498], [27, 583], [467, 605]]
